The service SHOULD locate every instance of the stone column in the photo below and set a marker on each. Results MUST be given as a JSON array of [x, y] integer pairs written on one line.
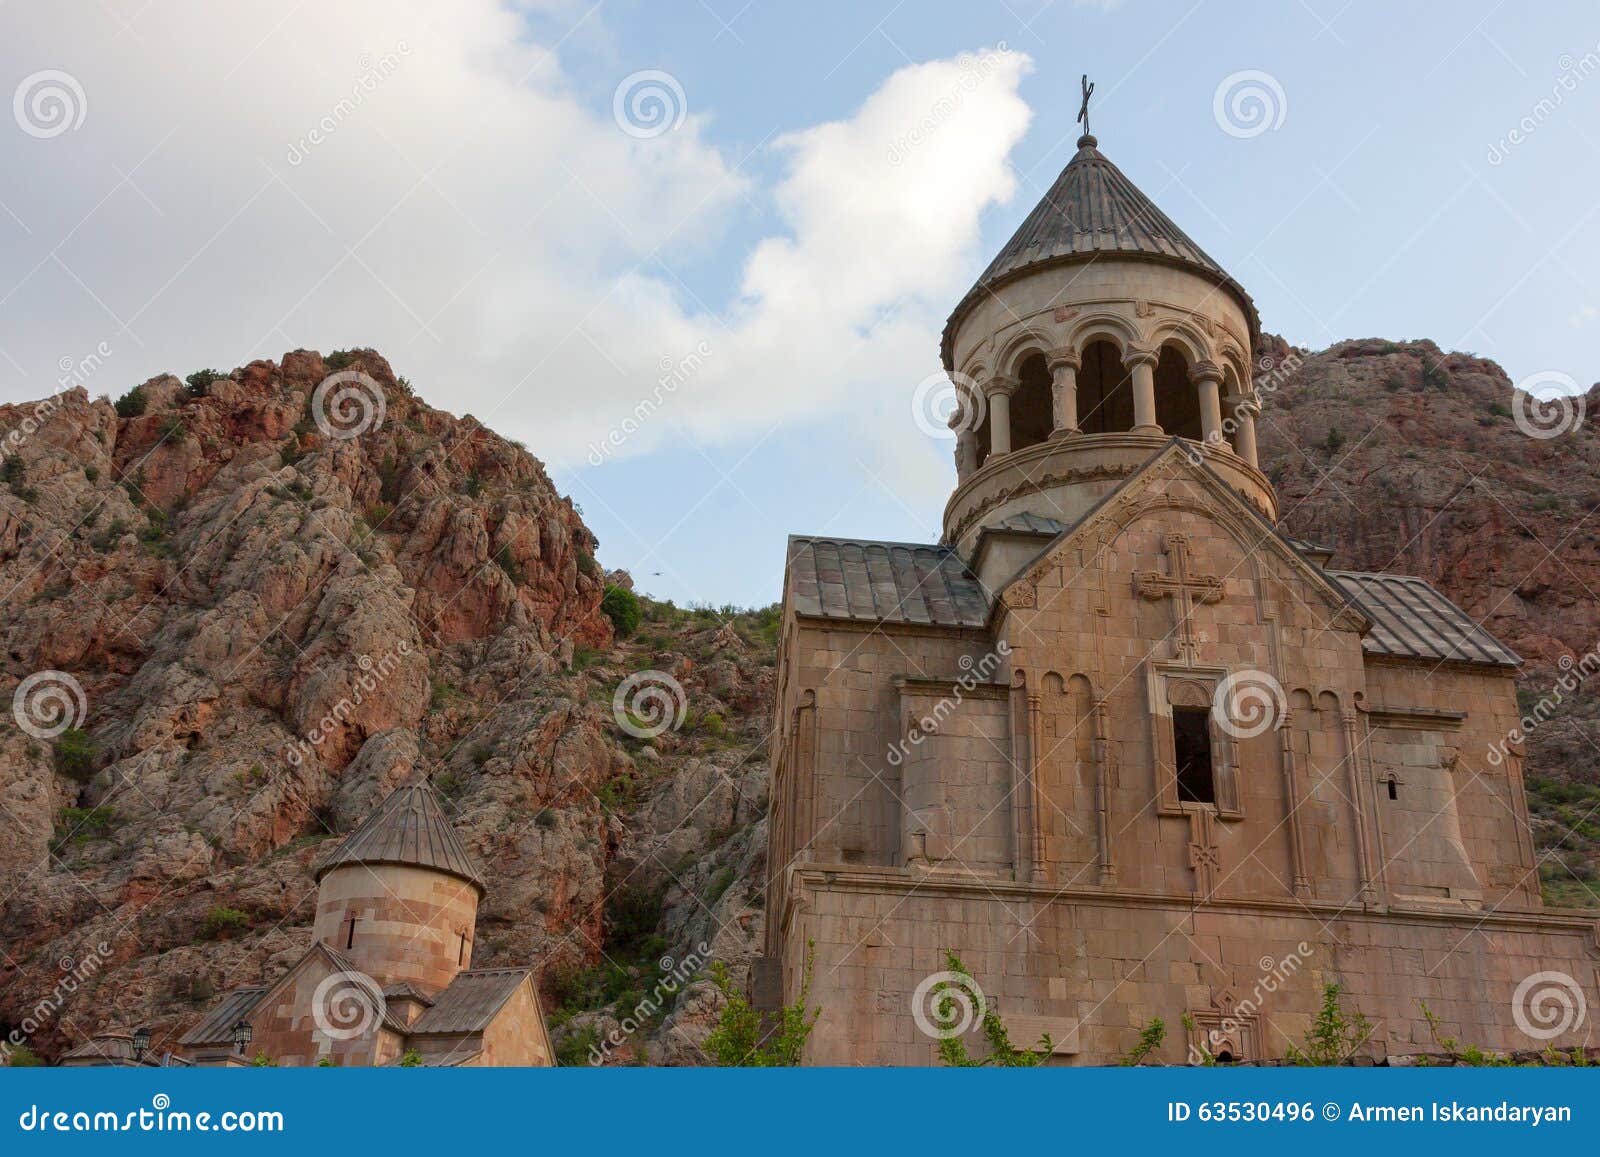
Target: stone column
[[999, 390], [1142, 364], [1207, 377], [966, 450], [1064, 365], [1244, 413]]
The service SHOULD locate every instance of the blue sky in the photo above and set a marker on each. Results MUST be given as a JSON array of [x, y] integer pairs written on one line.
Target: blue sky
[[483, 217]]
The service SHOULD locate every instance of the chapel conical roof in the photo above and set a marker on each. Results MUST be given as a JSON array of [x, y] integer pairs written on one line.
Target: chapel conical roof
[[1094, 211], [409, 828]]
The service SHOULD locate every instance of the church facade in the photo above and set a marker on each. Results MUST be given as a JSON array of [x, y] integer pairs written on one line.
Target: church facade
[[1120, 744]]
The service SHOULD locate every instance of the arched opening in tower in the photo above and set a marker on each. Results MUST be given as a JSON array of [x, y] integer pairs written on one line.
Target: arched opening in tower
[[1177, 398], [1105, 391], [1031, 417]]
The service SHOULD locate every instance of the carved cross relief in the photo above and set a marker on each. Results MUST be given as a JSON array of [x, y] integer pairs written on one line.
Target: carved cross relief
[[1183, 587], [1205, 856]]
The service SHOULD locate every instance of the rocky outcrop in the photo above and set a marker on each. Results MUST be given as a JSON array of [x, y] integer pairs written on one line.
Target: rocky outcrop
[[271, 624]]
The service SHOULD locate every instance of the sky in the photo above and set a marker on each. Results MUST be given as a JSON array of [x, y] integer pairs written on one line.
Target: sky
[[696, 256]]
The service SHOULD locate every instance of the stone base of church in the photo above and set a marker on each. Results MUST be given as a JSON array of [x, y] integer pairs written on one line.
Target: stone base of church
[[1090, 967]]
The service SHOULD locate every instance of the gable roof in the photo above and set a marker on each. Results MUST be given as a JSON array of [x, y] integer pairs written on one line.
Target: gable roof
[[884, 582], [1091, 211], [408, 828], [470, 1002], [216, 1027], [1411, 620]]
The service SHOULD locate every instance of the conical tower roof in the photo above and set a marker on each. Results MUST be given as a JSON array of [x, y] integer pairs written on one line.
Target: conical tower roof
[[1094, 211], [408, 828]]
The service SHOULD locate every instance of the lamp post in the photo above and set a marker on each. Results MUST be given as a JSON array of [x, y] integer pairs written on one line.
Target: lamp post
[[242, 1034], [141, 1042]]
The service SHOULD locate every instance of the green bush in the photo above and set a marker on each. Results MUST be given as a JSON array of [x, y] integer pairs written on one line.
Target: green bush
[[22, 1057], [340, 360], [740, 1039], [200, 382], [621, 606], [587, 564], [221, 922], [131, 404], [74, 755]]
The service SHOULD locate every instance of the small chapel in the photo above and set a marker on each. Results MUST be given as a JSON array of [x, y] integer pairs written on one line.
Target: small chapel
[[1116, 740], [388, 978]]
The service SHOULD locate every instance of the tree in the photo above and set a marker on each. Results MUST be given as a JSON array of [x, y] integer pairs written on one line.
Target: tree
[[1002, 1054], [739, 1041], [621, 606]]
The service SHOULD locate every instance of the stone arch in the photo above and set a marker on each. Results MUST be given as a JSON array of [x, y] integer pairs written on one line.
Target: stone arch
[[1185, 336], [1108, 327], [1020, 348]]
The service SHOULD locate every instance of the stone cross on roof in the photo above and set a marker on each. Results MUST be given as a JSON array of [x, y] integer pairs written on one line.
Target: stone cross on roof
[[1083, 112]]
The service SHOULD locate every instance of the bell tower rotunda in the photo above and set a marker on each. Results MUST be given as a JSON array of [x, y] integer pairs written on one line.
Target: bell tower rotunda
[[1099, 332]]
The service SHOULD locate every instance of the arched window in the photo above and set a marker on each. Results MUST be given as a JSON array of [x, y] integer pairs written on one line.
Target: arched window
[[1105, 391], [1030, 405], [1177, 398]]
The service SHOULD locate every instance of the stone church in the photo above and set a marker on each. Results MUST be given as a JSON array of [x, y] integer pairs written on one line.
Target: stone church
[[388, 974], [1120, 743]]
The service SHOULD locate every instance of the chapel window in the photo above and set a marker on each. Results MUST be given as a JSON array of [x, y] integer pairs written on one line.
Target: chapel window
[[1191, 745], [350, 933], [1394, 792]]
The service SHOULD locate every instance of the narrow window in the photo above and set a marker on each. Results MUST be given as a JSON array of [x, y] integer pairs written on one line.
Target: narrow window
[[1393, 793], [1191, 744], [350, 933], [461, 953]]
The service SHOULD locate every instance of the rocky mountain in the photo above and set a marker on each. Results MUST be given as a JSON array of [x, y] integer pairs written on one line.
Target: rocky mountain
[[264, 608], [275, 605]]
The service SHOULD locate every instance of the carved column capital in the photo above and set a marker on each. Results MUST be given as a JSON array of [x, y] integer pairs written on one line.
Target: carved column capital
[[1206, 372], [1001, 385], [1065, 358], [1136, 356]]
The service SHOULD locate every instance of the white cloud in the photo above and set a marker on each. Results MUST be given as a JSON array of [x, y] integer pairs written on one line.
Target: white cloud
[[473, 212]]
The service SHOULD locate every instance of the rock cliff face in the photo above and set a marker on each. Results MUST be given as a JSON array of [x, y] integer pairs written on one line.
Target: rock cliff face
[[273, 624]]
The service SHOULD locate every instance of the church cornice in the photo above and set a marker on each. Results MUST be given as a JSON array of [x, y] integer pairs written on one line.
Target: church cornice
[[812, 878]]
